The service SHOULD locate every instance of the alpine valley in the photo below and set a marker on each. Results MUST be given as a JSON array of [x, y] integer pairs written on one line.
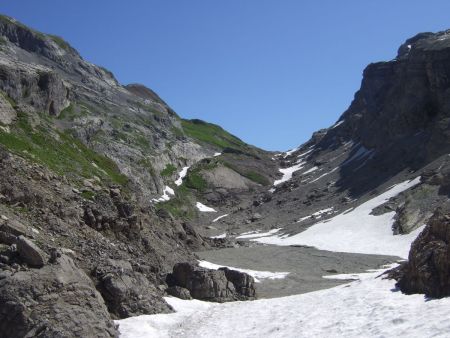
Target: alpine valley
[[119, 217]]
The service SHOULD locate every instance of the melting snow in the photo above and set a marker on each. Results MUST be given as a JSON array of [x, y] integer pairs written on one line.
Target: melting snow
[[287, 173], [219, 236], [310, 170], [204, 208], [220, 217], [323, 175], [359, 154], [368, 307], [257, 275], [356, 231], [337, 124], [254, 234], [166, 195], [217, 154], [317, 214], [181, 175]]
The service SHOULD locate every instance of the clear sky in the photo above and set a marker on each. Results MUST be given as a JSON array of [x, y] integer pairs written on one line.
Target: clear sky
[[269, 71]]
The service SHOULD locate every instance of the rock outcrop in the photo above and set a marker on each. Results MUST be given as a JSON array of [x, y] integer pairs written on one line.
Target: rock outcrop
[[58, 300], [221, 285], [427, 270]]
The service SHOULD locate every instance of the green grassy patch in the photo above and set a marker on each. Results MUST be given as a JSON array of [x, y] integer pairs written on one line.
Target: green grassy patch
[[181, 205], [89, 195], [169, 170], [250, 174], [211, 134], [59, 151]]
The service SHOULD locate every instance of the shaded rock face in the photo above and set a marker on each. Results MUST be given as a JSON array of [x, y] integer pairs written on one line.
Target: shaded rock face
[[58, 300], [428, 268], [221, 285], [126, 292]]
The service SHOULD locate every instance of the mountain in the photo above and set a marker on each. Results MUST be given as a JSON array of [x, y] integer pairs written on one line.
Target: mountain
[[107, 195]]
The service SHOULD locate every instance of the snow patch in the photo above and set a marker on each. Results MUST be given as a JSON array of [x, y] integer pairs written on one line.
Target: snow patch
[[337, 124], [203, 208], [181, 175], [357, 231], [288, 172], [368, 307], [218, 218], [224, 235], [310, 170], [255, 234], [166, 195], [217, 154]]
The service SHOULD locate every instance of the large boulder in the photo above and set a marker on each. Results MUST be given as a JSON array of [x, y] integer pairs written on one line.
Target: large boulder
[[58, 300], [427, 270], [221, 285], [126, 292]]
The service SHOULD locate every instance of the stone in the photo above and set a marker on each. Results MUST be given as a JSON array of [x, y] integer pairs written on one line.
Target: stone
[[30, 253], [15, 228], [64, 303], [427, 270], [179, 292], [211, 285]]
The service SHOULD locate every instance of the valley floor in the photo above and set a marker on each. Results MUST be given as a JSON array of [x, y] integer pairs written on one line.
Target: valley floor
[[314, 294]]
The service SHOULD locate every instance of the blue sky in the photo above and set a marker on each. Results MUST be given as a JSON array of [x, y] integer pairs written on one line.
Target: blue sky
[[269, 71]]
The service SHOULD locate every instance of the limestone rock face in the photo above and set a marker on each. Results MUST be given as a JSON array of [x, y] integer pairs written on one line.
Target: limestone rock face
[[7, 112], [58, 300]]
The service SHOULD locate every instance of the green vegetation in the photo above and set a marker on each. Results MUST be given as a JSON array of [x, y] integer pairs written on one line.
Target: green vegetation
[[59, 151], [250, 174], [169, 170], [181, 205], [211, 134], [60, 42], [72, 112], [256, 177], [7, 98], [89, 195], [195, 181]]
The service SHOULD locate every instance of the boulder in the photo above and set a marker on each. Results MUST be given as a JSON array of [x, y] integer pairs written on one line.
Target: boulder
[[221, 285], [427, 270], [179, 292], [126, 292], [30, 252], [58, 300]]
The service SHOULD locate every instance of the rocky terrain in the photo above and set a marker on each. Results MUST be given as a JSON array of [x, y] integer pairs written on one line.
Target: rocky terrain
[[106, 194]]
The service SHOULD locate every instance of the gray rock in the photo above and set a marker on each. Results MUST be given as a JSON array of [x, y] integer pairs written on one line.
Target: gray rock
[[179, 292], [211, 285], [58, 300], [30, 252]]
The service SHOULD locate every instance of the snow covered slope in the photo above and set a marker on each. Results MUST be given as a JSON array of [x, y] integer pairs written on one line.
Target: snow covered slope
[[368, 307], [356, 230]]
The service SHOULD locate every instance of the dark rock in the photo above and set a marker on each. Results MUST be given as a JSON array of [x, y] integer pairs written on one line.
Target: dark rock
[[56, 301], [243, 283], [428, 267], [212, 285], [179, 292], [126, 292]]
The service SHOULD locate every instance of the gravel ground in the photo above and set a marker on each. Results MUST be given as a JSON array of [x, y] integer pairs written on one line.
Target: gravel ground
[[306, 266]]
